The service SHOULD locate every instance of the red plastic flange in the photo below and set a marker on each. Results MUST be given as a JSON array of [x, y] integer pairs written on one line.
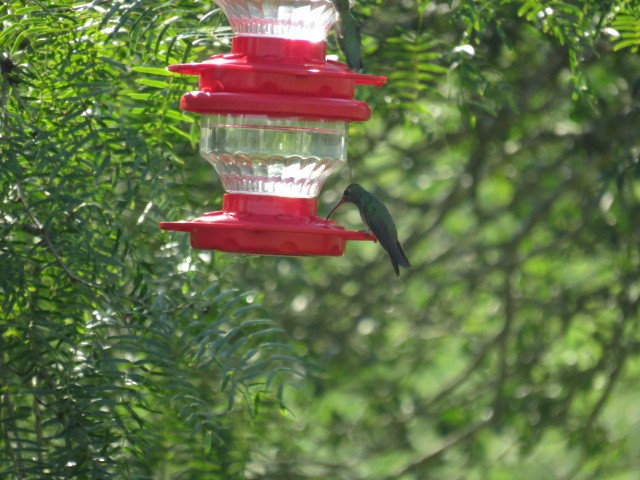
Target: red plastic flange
[[267, 225], [337, 109], [276, 76]]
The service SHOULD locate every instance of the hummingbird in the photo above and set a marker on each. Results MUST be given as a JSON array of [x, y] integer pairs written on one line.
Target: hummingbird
[[379, 222], [348, 35]]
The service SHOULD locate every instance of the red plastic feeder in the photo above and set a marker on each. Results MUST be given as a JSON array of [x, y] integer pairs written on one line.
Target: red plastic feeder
[[267, 225], [274, 127]]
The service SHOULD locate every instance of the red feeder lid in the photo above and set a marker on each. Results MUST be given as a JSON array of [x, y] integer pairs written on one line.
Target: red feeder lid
[[268, 225], [276, 76]]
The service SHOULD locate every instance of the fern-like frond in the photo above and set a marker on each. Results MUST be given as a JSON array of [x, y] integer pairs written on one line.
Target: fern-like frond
[[416, 67], [628, 28]]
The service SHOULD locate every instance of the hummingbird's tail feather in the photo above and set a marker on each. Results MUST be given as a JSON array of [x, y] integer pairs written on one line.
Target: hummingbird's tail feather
[[398, 259], [404, 260], [394, 262]]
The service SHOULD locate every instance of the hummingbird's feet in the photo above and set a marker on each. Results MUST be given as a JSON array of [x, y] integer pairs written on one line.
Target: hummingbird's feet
[[369, 235]]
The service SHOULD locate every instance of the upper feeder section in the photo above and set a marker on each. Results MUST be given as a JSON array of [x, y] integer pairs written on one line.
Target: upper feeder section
[[293, 19], [277, 66]]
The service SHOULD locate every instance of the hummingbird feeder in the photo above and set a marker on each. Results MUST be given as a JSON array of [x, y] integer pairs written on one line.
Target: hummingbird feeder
[[274, 127]]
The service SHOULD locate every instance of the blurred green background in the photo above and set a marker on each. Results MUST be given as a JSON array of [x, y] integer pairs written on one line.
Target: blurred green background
[[505, 144]]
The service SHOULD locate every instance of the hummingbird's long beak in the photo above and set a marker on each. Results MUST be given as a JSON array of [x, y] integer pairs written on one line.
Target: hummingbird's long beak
[[335, 208]]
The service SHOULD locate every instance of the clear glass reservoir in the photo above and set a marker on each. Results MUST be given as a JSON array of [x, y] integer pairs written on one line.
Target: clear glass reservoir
[[288, 157], [295, 19]]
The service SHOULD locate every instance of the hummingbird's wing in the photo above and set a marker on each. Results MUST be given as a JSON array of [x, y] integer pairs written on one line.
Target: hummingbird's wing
[[379, 221]]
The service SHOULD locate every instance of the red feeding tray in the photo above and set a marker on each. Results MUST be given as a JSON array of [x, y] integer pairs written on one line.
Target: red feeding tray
[[270, 225]]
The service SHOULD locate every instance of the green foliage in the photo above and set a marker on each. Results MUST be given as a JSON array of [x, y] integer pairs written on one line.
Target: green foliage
[[505, 144], [123, 353], [628, 27], [414, 58]]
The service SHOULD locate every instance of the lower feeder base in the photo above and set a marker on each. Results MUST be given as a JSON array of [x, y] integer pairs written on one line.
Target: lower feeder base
[[267, 225]]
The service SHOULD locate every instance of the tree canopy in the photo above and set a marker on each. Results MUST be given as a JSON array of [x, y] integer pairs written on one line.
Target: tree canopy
[[506, 145]]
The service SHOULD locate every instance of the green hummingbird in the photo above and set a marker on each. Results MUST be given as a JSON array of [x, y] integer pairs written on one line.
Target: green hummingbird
[[348, 35], [378, 220]]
